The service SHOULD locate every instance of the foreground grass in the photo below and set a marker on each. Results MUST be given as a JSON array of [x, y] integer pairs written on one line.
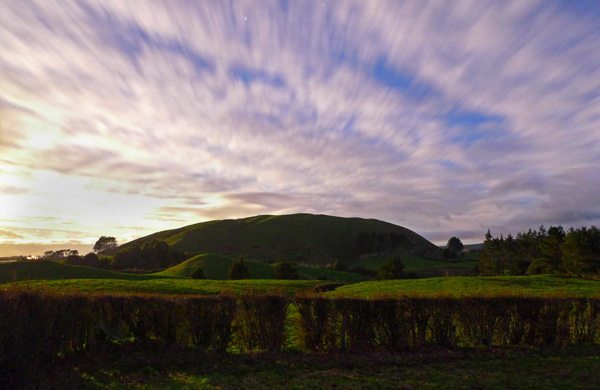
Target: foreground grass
[[535, 285], [572, 368]]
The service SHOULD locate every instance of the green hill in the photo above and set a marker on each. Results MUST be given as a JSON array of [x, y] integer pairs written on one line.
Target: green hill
[[302, 238], [217, 267], [51, 270]]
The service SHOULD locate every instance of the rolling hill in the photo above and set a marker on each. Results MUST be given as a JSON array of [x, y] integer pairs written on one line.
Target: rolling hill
[[217, 267], [303, 238]]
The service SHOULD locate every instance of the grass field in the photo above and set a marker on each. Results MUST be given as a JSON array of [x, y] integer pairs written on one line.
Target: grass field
[[535, 285], [172, 286], [550, 369]]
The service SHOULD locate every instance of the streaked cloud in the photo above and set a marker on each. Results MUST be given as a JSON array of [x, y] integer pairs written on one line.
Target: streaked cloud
[[124, 118]]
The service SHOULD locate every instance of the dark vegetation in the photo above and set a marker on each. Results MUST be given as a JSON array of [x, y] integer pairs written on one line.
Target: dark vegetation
[[238, 270], [574, 252], [41, 327]]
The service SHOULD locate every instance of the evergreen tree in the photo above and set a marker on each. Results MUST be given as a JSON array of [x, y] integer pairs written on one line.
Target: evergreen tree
[[581, 251], [550, 258], [490, 262], [238, 270]]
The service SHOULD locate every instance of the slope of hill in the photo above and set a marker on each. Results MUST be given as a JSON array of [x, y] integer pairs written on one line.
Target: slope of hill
[[303, 238], [51, 270], [217, 267]]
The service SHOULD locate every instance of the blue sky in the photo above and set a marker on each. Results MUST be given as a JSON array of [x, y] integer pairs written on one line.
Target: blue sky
[[124, 118]]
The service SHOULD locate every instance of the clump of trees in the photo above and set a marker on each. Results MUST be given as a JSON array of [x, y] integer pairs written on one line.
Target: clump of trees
[[60, 254], [151, 255], [89, 260], [284, 269], [574, 252], [377, 243]]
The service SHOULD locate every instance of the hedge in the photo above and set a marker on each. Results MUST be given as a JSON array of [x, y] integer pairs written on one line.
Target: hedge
[[38, 326]]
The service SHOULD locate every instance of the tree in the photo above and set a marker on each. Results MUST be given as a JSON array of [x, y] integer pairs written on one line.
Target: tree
[[105, 243], [455, 245], [238, 270], [550, 258], [92, 260], [129, 258], [198, 273], [392, 269], [286, 270], [490, 257], [74, 260], [581, 251]]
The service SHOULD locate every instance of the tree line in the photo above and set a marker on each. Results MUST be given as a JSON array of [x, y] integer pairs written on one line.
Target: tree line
[[152, 255], [377, 243], [573, 252]]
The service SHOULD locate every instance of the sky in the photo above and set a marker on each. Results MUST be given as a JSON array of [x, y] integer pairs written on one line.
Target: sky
[[124, 118]]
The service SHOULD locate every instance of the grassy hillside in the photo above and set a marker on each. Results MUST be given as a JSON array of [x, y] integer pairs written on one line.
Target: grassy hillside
[[51, 270], [303, 238], [217, 267], [535, 285]]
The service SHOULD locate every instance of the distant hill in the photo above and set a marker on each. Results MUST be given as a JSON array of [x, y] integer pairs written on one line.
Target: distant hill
[[303, 238]]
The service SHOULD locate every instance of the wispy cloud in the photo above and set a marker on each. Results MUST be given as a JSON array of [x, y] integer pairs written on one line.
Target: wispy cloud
[[439, 116]]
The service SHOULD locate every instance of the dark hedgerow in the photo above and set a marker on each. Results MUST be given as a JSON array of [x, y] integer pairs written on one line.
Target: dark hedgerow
[[39, 326], [260, 321]]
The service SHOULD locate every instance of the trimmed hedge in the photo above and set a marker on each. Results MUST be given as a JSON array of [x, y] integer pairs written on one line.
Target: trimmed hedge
[[38, 325], [350, 324]]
